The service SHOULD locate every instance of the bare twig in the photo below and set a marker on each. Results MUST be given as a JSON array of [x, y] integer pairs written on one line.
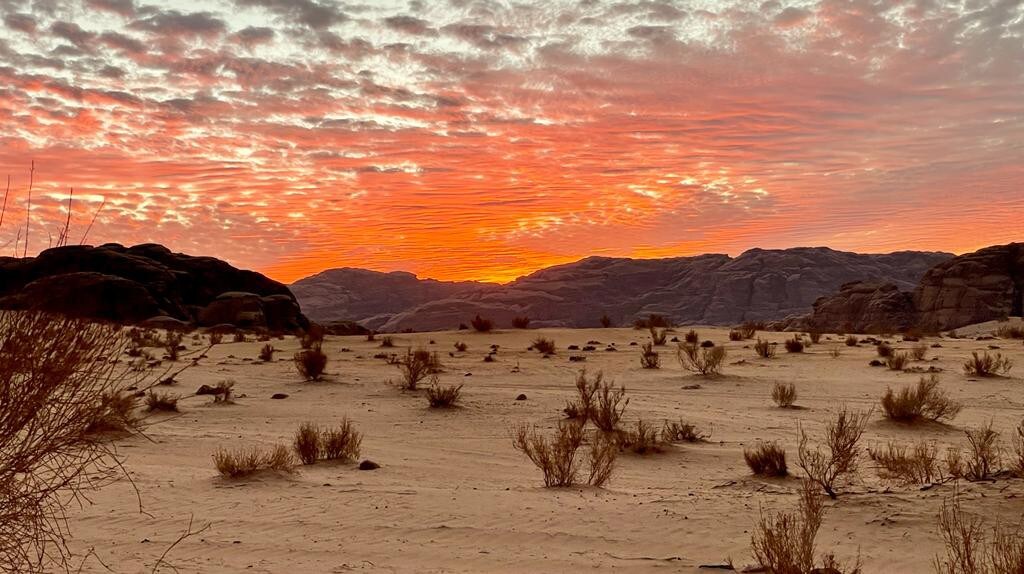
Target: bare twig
[[185, 535], [28, 210], [94, 216]]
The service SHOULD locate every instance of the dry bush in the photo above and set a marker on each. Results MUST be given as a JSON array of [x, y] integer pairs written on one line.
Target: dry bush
[[371, 336], [681, 431], [216, 338], [266, 353], [691, 337], [970, 549], [645, 439], [1010, 332], [239, 337], [443, 397], [605, 321], [544, 346], [735, 335], [164, 402], [461, 347], [1017, 463], [416, 366], [583, 407], [919, 352], [783, 543], [795, 345], [521, 322], [482, 325], [222, 391], [313, 337], [986, 365], [311, 363], [557, 457], [764, 349], [608, 407], [387, 342], [840, 456], [985, 453], [115, 413], [784, 395], [815, 336], [307, 443], [705, 361], [897, 361], [852, 341], [750, 328], [766, 459], [658, 336], [916, 465], [245, 462], [172, 344], [835, 352], [884, 350], [923, 402], [341, 443], [649, 358]]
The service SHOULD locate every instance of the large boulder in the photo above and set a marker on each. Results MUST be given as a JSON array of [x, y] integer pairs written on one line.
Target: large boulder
[[134, 284], [981, 286]]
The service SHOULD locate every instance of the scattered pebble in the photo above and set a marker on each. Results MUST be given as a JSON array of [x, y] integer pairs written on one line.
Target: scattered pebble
[[368, 465], [279, 396]]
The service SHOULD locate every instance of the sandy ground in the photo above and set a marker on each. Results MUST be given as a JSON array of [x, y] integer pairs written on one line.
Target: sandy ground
[[453, 496]]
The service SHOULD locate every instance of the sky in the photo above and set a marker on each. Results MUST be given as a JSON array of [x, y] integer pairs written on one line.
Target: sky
[[485, 139]]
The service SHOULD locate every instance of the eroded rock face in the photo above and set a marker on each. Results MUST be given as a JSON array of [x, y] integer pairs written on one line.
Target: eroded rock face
[[760, 284], [133, 284], [981, 286], [861, 307]]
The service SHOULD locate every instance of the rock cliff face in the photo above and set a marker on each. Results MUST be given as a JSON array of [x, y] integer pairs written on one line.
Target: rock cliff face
[[972, 288], [134, 284], [981, 286], [708, 289]]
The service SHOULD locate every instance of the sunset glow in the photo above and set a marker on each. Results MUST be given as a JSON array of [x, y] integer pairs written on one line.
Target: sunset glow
[[483, 139]]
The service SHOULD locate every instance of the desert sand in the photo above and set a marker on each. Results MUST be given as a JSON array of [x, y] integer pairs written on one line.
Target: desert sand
[[452, 495]]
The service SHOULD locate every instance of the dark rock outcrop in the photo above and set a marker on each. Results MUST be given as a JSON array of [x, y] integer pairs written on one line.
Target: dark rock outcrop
[[860, 307], [759, 284], [146, 282], [981, 286]]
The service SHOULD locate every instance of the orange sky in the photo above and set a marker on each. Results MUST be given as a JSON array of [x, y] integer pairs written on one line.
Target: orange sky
[[475, 140]]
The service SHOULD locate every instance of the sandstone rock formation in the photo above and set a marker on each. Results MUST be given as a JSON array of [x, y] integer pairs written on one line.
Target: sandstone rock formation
[[134, 284], [861, 307], [759, 284]]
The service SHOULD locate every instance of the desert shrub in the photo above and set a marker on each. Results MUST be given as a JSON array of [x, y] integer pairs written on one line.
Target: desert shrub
[[387, 342], [644, 439], [313, 337], [115, 412], [884, 350], [656, 320], [649, 358], [1017, 462], [917, 465], [245, 462], [969, 548], [307, 443], [544, 346], [216, 338], [897, 361], [834, 352], [682, 431], [1010, 332], [748, 330], [784, 395], [705, 361], [461, 347], [311, 363], [852, 341], [766, 459], [521, 322], [172, 344], [341, 443], [238, 337], [605, 321], [221, 391], [557, 457], [658, 336], [986, 365], [583, 407], [814, 336], [371, 336], [784, 543], [266, 353], [795, 345], [764, 349], [691, 337], [609, 404], [841, 453], [984, 453], [443, 397], [165, 402], [923, 402], [919, 352], [482, 325], [416, 366], [735, 335]]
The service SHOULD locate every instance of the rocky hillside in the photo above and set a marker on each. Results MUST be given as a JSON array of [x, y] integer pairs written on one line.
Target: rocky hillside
[[146, 283], [760, 284], [972, 288]]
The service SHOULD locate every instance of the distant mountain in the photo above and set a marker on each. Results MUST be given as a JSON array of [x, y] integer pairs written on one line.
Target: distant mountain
[[759, 284]]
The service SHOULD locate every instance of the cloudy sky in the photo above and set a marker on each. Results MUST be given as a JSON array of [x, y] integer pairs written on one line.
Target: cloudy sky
[[484, 139]]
